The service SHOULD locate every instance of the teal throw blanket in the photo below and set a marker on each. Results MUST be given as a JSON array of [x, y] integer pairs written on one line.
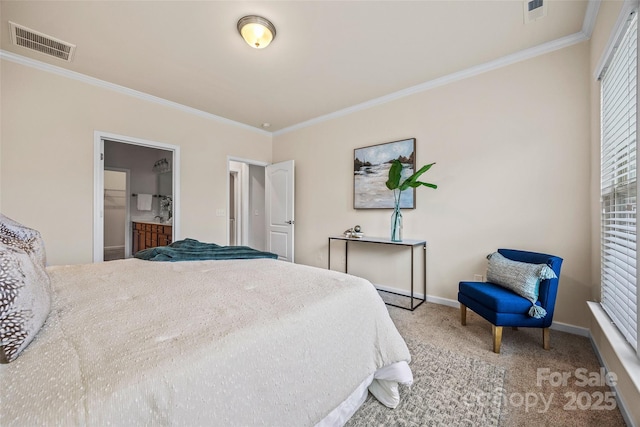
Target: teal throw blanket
[[193, 250]]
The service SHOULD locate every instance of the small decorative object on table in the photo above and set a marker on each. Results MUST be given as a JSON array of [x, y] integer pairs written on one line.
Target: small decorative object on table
[[394, 184], [355, 232]]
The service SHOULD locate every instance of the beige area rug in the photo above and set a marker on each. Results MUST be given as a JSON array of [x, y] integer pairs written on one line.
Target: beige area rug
[[448, 390], [530, 397]]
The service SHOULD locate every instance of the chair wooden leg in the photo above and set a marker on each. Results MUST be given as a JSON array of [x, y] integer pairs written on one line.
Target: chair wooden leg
[[497, 337], [546, 338], [463, 314]]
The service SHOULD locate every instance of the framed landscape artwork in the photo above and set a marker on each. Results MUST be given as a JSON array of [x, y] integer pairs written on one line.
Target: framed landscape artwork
[[371, 171]]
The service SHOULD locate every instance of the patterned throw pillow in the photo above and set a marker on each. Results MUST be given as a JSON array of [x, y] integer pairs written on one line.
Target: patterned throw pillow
[[522, 278], [25, 293]]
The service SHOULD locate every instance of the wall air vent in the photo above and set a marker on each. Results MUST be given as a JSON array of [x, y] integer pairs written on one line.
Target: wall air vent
[[534, 10], [34, 40]]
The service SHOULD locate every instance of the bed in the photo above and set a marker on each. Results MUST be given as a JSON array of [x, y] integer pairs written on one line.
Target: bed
[[230, 342]]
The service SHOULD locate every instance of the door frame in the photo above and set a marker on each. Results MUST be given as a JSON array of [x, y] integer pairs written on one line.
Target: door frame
[[244, 205], [98, 184], [236, 208], [240, 170], [127, 210]]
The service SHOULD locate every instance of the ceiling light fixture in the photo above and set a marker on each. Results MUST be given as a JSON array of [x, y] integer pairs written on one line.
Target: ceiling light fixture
[[256, 31]]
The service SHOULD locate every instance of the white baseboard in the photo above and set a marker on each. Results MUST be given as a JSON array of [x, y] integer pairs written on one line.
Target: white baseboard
[[443, 301], [430, 298], [572, 329], [622, 406], [624, 353], [399, 291], [557, 326]]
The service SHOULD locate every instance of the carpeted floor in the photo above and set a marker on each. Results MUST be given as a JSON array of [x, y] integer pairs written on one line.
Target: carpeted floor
[[441, 382], [459, 381]]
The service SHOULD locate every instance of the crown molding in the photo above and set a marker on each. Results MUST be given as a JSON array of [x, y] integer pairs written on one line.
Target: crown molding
[[42, 66], [619, 28], [561, 43], [590, 17], [522, 55]]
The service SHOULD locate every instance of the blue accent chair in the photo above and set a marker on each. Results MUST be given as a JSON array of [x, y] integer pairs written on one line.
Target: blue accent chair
[[502, 307]]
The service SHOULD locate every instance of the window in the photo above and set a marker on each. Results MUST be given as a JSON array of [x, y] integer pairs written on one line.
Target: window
[[618, 185]]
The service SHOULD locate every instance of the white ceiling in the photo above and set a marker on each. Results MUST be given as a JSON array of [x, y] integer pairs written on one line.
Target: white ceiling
[[327, 55]]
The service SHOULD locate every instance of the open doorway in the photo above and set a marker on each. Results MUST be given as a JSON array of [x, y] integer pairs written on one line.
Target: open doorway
[[153, 179], [116, 214], [260, 208], [246, 204], [234, 196]]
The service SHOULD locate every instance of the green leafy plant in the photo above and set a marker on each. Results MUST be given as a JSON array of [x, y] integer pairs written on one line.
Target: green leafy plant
[[395, 175], [394, 184]]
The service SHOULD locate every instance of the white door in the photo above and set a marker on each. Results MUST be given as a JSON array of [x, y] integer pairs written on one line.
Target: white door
[[279, 186]]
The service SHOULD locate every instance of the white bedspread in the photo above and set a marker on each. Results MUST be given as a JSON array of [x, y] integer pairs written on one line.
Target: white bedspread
[[233, 343]]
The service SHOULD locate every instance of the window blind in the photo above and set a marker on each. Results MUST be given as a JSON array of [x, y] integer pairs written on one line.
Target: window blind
[[618, 186]]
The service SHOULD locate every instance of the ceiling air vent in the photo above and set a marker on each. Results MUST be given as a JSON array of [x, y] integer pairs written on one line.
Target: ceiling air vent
[[26, 37], [534, 10]]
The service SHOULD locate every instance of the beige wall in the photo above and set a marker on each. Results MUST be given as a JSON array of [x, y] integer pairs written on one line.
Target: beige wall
[[48, 125], [512, 148]]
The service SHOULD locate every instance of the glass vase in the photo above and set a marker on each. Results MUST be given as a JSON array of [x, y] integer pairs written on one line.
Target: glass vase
[[396, 225]]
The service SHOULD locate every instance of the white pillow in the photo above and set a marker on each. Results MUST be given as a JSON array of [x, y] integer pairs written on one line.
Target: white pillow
[[25, 292]]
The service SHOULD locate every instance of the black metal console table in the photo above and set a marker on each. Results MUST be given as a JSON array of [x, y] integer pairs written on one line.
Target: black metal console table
[[406, 242]]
